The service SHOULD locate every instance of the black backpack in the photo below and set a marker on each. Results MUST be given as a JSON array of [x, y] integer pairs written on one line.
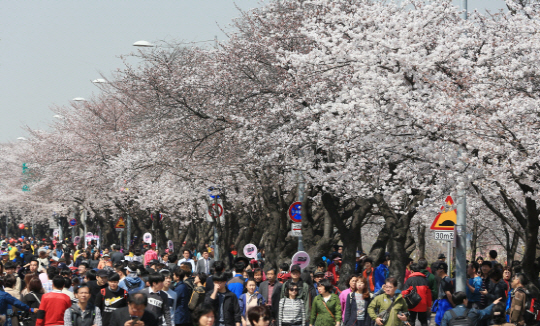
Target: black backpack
[[459, 320]]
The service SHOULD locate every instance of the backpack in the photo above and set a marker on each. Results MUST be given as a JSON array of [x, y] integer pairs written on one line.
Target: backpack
[[532, 308], [459, 320]]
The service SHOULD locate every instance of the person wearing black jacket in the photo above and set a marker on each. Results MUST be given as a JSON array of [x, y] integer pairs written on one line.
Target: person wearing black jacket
[[271, 285], [111, 298], [497, 287], [135, 311], [158, 301], [222, 296]]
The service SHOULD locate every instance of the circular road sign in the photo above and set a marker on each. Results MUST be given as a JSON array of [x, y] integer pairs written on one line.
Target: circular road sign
[[219, 210], [73, 222], [295, 212]]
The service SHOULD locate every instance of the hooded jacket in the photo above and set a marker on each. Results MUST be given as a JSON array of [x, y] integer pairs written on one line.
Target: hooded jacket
[[131, 283], [419, 281]]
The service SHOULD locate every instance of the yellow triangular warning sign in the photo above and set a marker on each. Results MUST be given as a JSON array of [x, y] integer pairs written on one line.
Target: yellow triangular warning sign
[[446, 219], [120, 224]]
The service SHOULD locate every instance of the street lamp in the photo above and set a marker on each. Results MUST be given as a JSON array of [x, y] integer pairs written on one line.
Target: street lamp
[[79, 99], [22, 138], [99, 81], [143, 44]]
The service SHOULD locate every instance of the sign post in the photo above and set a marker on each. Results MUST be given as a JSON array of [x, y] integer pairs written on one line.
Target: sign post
[[120, 225], [444, 225], [295, 214]]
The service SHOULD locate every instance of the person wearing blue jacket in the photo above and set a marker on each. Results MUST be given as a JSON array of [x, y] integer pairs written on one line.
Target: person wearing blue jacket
[[132, 283], [236, 284], [250, 299], [474, 285], [182, 315], [475, 315], [381, 273]]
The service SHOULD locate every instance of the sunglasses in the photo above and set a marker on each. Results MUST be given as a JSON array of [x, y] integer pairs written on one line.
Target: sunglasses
[[293, 290]]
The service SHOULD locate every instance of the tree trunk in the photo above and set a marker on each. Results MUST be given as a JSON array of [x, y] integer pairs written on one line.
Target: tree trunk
[[474, 240], [422, 241]]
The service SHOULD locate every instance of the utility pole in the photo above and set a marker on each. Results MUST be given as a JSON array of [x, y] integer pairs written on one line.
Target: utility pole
[[301, 191], [460, 229]]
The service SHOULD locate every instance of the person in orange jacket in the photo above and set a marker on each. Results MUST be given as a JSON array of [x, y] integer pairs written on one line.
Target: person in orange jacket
[[368, 274], [334, 267]]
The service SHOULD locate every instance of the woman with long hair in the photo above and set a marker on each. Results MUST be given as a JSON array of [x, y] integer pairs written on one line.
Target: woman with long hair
[[357, 303], [33, 297], [94, 261]]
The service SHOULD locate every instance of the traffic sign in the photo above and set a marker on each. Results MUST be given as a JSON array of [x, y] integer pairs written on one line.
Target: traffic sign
[[160, 217], [301, 258], [215, 207], [445, 220], [73, 222], [147, 237], [250, 251], [296, 229], [120, 224], [295, 212], [444, 235]]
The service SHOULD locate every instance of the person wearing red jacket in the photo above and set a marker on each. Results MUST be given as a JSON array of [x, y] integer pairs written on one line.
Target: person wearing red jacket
[[53, 305], [419, 281], [334, 267]]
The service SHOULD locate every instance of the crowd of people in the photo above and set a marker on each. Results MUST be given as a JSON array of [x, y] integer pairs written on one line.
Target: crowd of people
[[48, 283]]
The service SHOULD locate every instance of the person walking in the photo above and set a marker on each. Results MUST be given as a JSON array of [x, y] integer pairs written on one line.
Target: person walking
[[225, 303], [205, 263], [446, 289], [326, 309], [474, 285], [33, 298], [111, 298], [249, 300], [53, 304], [474, 316], [369, 273], [271, 290], [381, 273], [419, 282], [303, 287], [393, 304], [83, 313], [351, 281], [521, 289], [291, 309], [158, 301], [357, 303]]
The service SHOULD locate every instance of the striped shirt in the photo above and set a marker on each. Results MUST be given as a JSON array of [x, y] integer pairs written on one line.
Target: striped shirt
[[292, 311]]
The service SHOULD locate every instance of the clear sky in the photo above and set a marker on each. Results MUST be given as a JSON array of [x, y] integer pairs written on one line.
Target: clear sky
[[51, 50]]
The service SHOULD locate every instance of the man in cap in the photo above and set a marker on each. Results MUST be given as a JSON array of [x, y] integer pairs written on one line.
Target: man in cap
[[132, 282], [105, 262], [303, 287], [150, 254], [101, 282]]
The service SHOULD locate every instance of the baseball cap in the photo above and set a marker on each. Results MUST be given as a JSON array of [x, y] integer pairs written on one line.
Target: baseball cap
[[106, 255], [319, 273], [296, 268], [441, 256]]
